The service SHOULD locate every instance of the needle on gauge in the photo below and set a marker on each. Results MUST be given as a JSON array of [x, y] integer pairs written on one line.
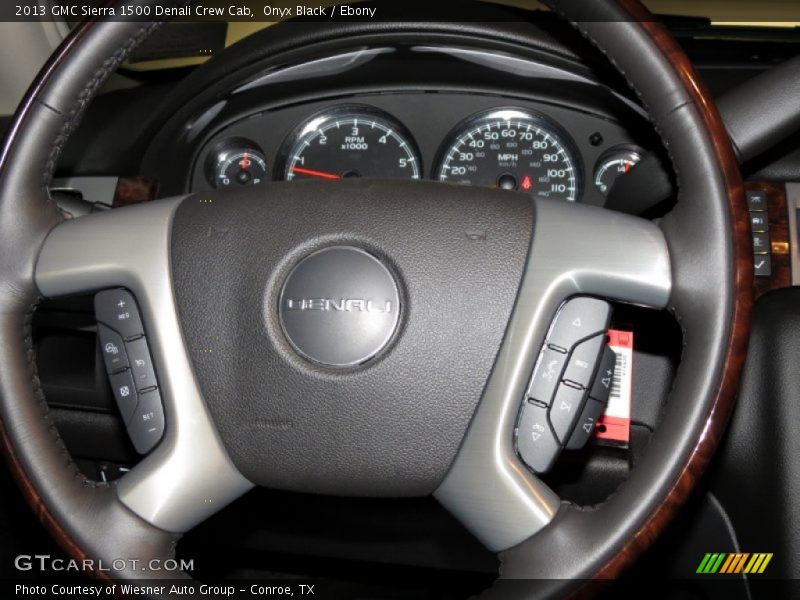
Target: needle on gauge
[[312, 173]]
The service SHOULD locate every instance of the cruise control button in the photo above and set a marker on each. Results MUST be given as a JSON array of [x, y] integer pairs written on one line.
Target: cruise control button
[[536, 444], [583, 360], [601, 387], [547, 375], [124, 393], [579, 318], [566, 408], [591, 413], [147, 423], [114, 355], [117, 309], [141, 364]]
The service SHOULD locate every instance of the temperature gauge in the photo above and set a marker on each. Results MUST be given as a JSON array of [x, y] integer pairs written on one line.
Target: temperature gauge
[[236, 162], [613, 164]]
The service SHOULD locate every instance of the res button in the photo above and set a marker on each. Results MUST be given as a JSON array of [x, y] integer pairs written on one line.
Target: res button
[[117, 309]]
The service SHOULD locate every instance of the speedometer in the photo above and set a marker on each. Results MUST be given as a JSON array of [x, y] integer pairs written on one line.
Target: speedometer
[[513, 150], [351, 142]]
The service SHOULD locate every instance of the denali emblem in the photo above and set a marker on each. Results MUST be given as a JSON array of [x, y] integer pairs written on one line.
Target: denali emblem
[[339, 305]]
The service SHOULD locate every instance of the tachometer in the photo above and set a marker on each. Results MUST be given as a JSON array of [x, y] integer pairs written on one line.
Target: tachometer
[[352, 142], [514, 150]]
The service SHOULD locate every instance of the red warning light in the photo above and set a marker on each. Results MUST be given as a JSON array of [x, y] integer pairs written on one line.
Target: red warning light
[[526, 183]]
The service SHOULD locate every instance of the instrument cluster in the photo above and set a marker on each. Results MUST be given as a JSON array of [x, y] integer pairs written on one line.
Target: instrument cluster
[[545, 151]]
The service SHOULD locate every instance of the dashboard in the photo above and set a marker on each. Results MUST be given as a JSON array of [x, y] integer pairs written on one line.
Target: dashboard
[[458, 113]]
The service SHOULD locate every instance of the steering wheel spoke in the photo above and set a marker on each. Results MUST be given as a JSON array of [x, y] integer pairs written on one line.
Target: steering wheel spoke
[[576, 251], [189, 475], [583, 250]]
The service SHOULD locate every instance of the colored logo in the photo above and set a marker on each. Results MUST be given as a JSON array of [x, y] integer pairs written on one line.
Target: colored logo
[[740, 562]]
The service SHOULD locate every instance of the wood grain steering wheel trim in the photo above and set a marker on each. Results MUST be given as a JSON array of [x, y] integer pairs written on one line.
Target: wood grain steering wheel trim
[[725, 396]]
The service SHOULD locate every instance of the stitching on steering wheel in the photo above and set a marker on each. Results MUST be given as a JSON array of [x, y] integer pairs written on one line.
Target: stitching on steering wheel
[[712, 123], [588, 36], [45, 411], [84, 98], [42, 401], [88, 93], [672, 309]]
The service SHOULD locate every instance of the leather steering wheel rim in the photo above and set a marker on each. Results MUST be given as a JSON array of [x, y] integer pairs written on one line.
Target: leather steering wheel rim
[[711, 295]]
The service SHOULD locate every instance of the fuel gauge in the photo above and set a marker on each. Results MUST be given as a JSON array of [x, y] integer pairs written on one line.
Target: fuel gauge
[[611, 165], [236, 162]]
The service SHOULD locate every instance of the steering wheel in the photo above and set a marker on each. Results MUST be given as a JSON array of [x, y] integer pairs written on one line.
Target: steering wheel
[[475, 278]]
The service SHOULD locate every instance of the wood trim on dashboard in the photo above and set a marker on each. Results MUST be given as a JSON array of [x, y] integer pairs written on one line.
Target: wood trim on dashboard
[[134, 190], [735, 353]]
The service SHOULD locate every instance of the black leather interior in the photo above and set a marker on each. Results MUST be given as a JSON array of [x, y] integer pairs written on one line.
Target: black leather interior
[[763, 111], [757, 477]]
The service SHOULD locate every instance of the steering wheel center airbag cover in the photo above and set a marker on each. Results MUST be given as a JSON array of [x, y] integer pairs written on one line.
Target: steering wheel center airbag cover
[[313, 415], [339, 306]]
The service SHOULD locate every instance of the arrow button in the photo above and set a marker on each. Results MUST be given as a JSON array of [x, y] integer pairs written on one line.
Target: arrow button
[[535, 442], [586, 424], [567, 406], [579, 319], [605, 376]]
